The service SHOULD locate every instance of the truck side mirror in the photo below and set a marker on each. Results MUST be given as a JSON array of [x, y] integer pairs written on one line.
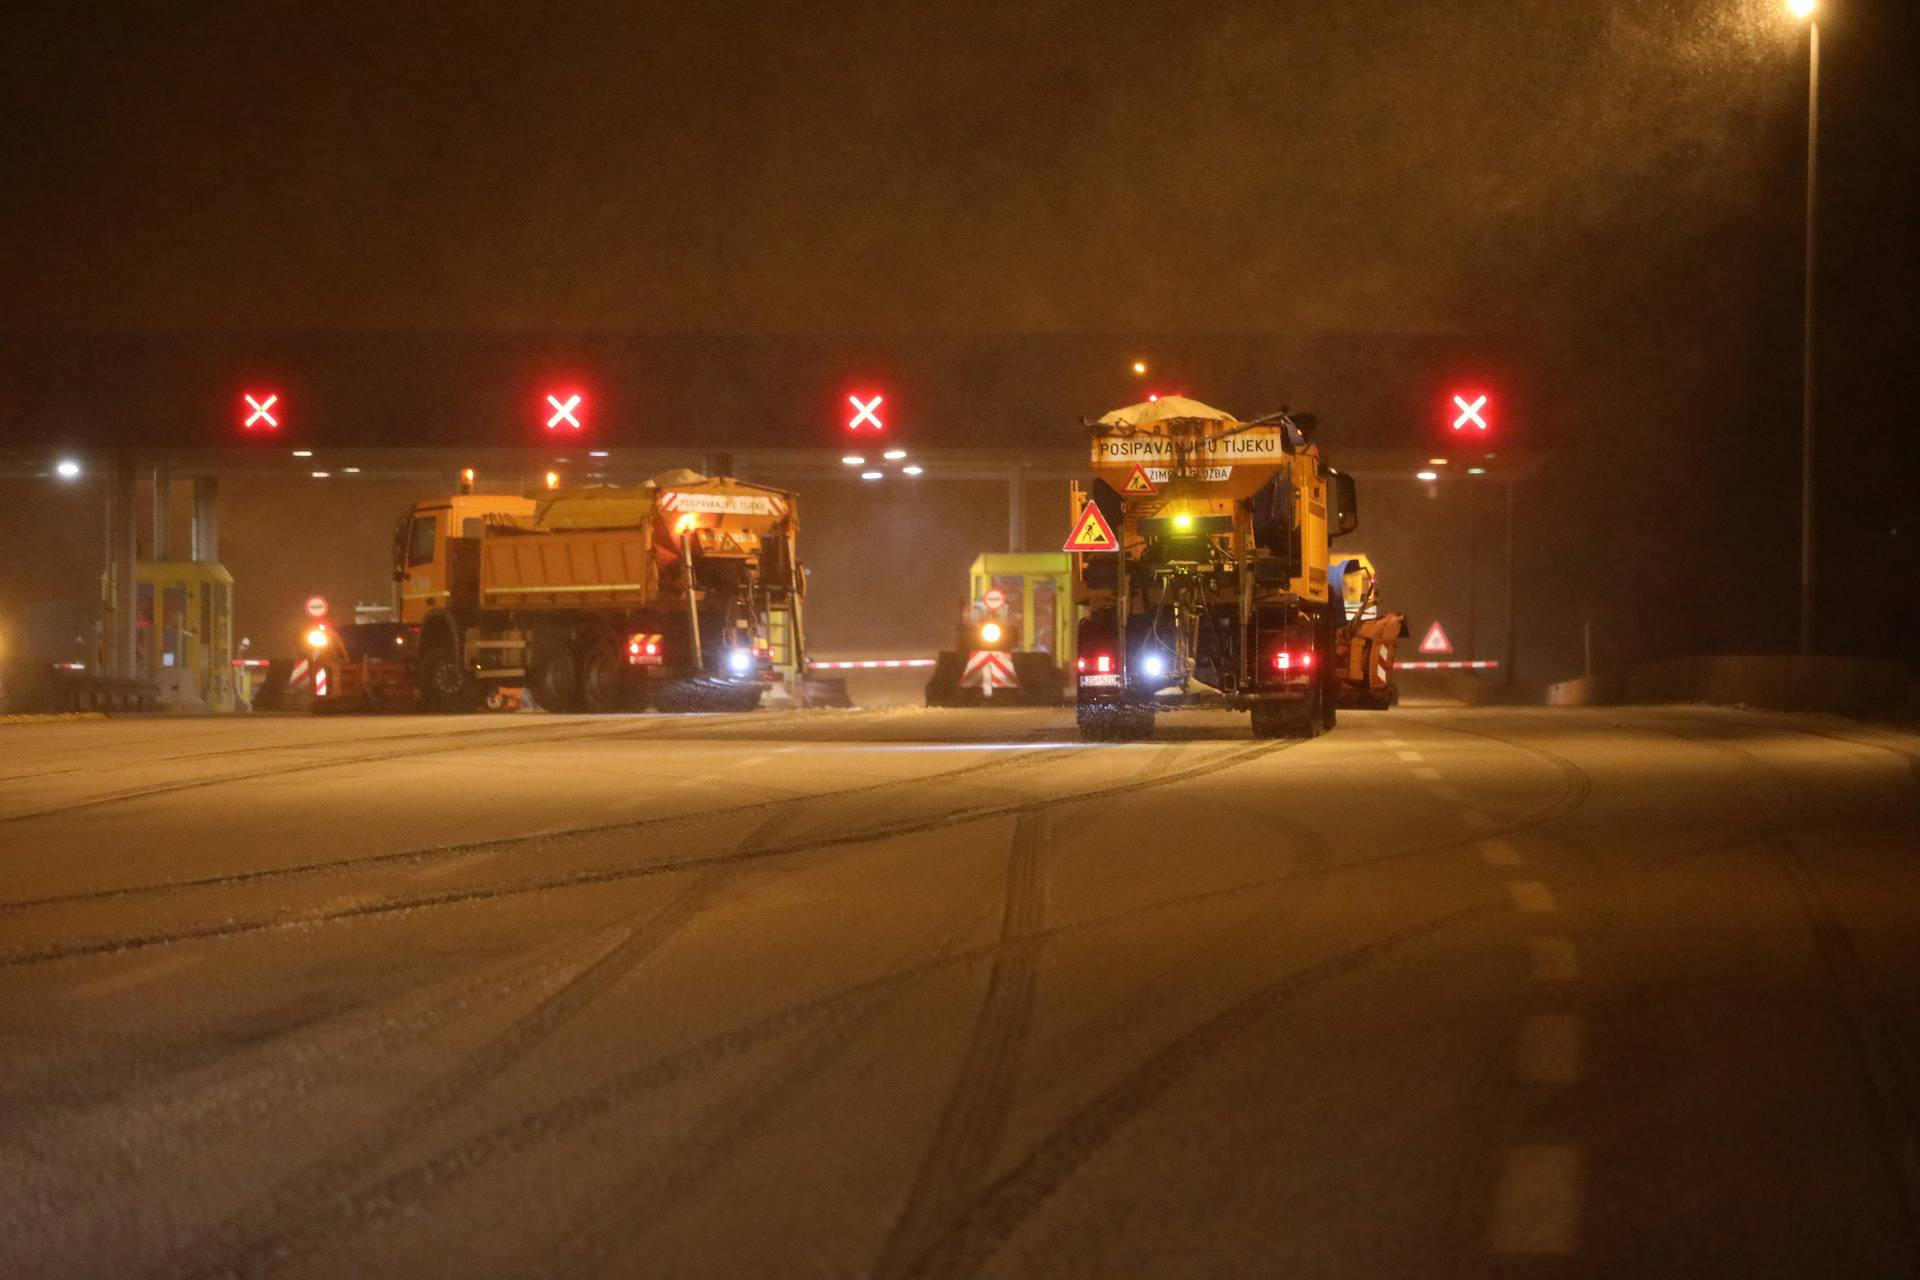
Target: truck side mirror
[[1346, 504]]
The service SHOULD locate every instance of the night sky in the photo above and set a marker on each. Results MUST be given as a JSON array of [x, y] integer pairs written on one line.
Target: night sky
[[1614, 189]]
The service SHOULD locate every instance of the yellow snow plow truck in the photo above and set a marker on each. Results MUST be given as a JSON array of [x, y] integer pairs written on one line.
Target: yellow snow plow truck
[[1201, 575], [681, 594]]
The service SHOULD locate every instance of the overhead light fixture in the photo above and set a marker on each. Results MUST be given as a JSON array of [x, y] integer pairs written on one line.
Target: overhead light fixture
[[910, 471], [303, 453], [1436, 462], [596, 453], [1476, 471], [352, 471], [854, 460], [321, 475], [1426, 475], [67, 469], [870, 475], [894, 455]]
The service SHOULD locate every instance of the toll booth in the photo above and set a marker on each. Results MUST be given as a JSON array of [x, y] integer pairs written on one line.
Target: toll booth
[[183, 633]]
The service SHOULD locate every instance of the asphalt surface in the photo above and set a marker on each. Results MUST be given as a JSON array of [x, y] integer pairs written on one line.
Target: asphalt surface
[[911, 993]]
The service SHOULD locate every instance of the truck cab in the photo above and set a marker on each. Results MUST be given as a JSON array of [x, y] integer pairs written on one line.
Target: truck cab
[[422, 574]]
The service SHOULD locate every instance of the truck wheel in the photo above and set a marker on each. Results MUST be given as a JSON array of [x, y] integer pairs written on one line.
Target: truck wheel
[[1269, 720], [602, 677], [555, 677], [446, 686]]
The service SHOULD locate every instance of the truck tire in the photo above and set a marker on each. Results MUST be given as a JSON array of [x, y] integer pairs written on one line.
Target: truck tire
[[446, 686], [555, 677], [602, 676]]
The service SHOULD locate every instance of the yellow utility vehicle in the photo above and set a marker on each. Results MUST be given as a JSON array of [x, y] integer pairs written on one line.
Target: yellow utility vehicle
[[1201, 550]]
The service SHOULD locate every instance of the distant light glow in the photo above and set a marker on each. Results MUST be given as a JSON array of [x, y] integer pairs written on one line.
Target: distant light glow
[[317, 638], [1436, 462], [553, 479], [1476, 471], [351, 471], [869, 475], [910, 471], [321, 475], [303, 453], [596, 453], [1139, 367], [67, 469], [1426, 475], [1801, 8], [854, 460], [894, 455]]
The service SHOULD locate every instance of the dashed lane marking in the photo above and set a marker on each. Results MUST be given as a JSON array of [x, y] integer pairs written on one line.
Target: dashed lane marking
[[1536, 1205], [1428, 774], [1553, 959], [1550, 1049], [1499, 853], [1411, 757], [1396, 742], [1530, 896]]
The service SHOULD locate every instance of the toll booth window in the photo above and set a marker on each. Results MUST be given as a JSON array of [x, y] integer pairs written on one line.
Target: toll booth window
[[420, 541]]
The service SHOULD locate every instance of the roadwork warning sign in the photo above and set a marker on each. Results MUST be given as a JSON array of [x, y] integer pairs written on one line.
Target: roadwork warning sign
[[1436, 640], [1091, 532], [1139, 482]]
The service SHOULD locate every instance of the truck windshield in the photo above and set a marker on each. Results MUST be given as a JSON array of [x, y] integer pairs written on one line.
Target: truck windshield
[[420, 541]]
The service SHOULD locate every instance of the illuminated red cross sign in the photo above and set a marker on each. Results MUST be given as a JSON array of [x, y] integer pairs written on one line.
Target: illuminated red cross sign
[[259, 411], [865, 413], [563, 411], [1470, 411]]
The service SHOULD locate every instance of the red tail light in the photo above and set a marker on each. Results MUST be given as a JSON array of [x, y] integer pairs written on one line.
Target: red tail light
[[1285, 661], [644, 650], [1103, 663]]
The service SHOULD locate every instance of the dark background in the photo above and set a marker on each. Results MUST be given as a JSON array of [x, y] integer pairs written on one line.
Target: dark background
[[412, 217]]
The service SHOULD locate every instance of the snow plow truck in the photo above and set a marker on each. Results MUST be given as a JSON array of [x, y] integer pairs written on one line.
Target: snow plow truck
[[1201, 570], [680, 594]]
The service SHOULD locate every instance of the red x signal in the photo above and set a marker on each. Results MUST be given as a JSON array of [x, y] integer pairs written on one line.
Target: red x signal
[[1470, 409], [865, 413], [258, 411], [566, 409]]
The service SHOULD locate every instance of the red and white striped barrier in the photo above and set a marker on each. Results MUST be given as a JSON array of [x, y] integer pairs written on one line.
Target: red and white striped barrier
[[870, 664]]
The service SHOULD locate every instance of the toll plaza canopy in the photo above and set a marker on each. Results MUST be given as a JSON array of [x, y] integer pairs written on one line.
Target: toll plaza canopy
[[619, 391]]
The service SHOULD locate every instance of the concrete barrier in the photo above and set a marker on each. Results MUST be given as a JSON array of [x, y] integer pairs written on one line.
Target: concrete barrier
[[1860, 688]]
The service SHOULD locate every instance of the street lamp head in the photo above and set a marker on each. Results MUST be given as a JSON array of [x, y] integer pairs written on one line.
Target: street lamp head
[[1802, 8], [67, 469]]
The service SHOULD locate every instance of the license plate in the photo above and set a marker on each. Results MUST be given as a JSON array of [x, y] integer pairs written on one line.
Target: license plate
[[1110, 679]]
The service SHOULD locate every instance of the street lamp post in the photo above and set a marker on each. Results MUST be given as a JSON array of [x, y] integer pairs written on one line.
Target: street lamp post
[[1804, 9]]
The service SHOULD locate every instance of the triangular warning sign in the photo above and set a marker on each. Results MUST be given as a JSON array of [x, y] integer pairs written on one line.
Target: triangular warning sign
[[1091, 532], [1436, 640], [1139, 482]]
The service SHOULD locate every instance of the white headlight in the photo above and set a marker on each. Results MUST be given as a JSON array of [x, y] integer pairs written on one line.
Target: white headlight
[[739, 662], [1154, 665]]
